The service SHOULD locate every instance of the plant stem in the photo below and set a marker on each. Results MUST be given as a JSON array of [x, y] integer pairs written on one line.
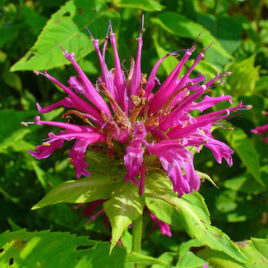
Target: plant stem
[[137, 234]]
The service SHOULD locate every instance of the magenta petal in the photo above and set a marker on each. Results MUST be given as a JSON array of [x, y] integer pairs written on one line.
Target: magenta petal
[[77, 154], [220, 150], [79, 102], [90, 92], [165, 91], [136, 78], [119, 75], [164, 227], [152, 78], [173, 158], [260, 130], [66, 102], [134, 154], [75, 82], [209, 102], [44, 151], [172, 119]]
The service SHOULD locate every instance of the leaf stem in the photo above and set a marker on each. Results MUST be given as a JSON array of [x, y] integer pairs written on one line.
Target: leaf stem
[[137, 234]]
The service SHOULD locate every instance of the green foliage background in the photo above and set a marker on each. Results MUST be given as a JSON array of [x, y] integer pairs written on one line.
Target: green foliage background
[[28, 32]]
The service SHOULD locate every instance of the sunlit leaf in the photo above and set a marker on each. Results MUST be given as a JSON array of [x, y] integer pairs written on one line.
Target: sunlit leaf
[[58, 249], [85, 190], [244, 76], [122, 208], [66, 27], [146, 5], [195, 218]]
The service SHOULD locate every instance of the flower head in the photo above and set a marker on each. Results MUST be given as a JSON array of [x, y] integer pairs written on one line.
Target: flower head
[[152, 123]]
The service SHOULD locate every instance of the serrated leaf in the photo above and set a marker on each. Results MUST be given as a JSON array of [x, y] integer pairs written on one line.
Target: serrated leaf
[[98, 186], [246, 151], [181, 26], [42, 249], [65, 27], [195, 218], [146, 5], [244, 76], [47, 249], [122, 208]]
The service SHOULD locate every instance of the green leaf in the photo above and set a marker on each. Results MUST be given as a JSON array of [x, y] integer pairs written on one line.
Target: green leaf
[[244, 76], [167, 257], [165, 212], [181, 26], [188, 258], [11, 131], [219, 259], [229, 203], [44, 249], [206, 177], [122, 208], [23, 249], [146, 5], [195, 218], [246, 151], [80, 191], [262, 84], [246, 183], [8, 33], [255, 250], [65, 27]]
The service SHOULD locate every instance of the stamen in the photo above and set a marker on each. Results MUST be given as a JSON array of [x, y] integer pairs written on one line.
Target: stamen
[[204, 50], [45, 144], [26, 124], [91, 35], [139, 103], [63, 50], [194, 46], [38, 72], [110, 26], [166, 107], [78, 114], [120, 116], [142, 25]]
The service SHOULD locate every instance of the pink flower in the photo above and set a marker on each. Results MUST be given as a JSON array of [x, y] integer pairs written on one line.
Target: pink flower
[[148, 120], [261, 130]]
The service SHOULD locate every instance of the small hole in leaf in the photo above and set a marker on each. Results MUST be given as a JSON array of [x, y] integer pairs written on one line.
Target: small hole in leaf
[[31, 55], [11, 261], [67, 14], [1, 250], [84, 247]]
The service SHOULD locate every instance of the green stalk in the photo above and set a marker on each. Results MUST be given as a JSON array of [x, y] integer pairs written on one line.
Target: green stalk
[[137, 234]]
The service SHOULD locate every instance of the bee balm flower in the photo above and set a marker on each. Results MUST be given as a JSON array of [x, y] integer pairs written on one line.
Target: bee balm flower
[[149, 120]]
